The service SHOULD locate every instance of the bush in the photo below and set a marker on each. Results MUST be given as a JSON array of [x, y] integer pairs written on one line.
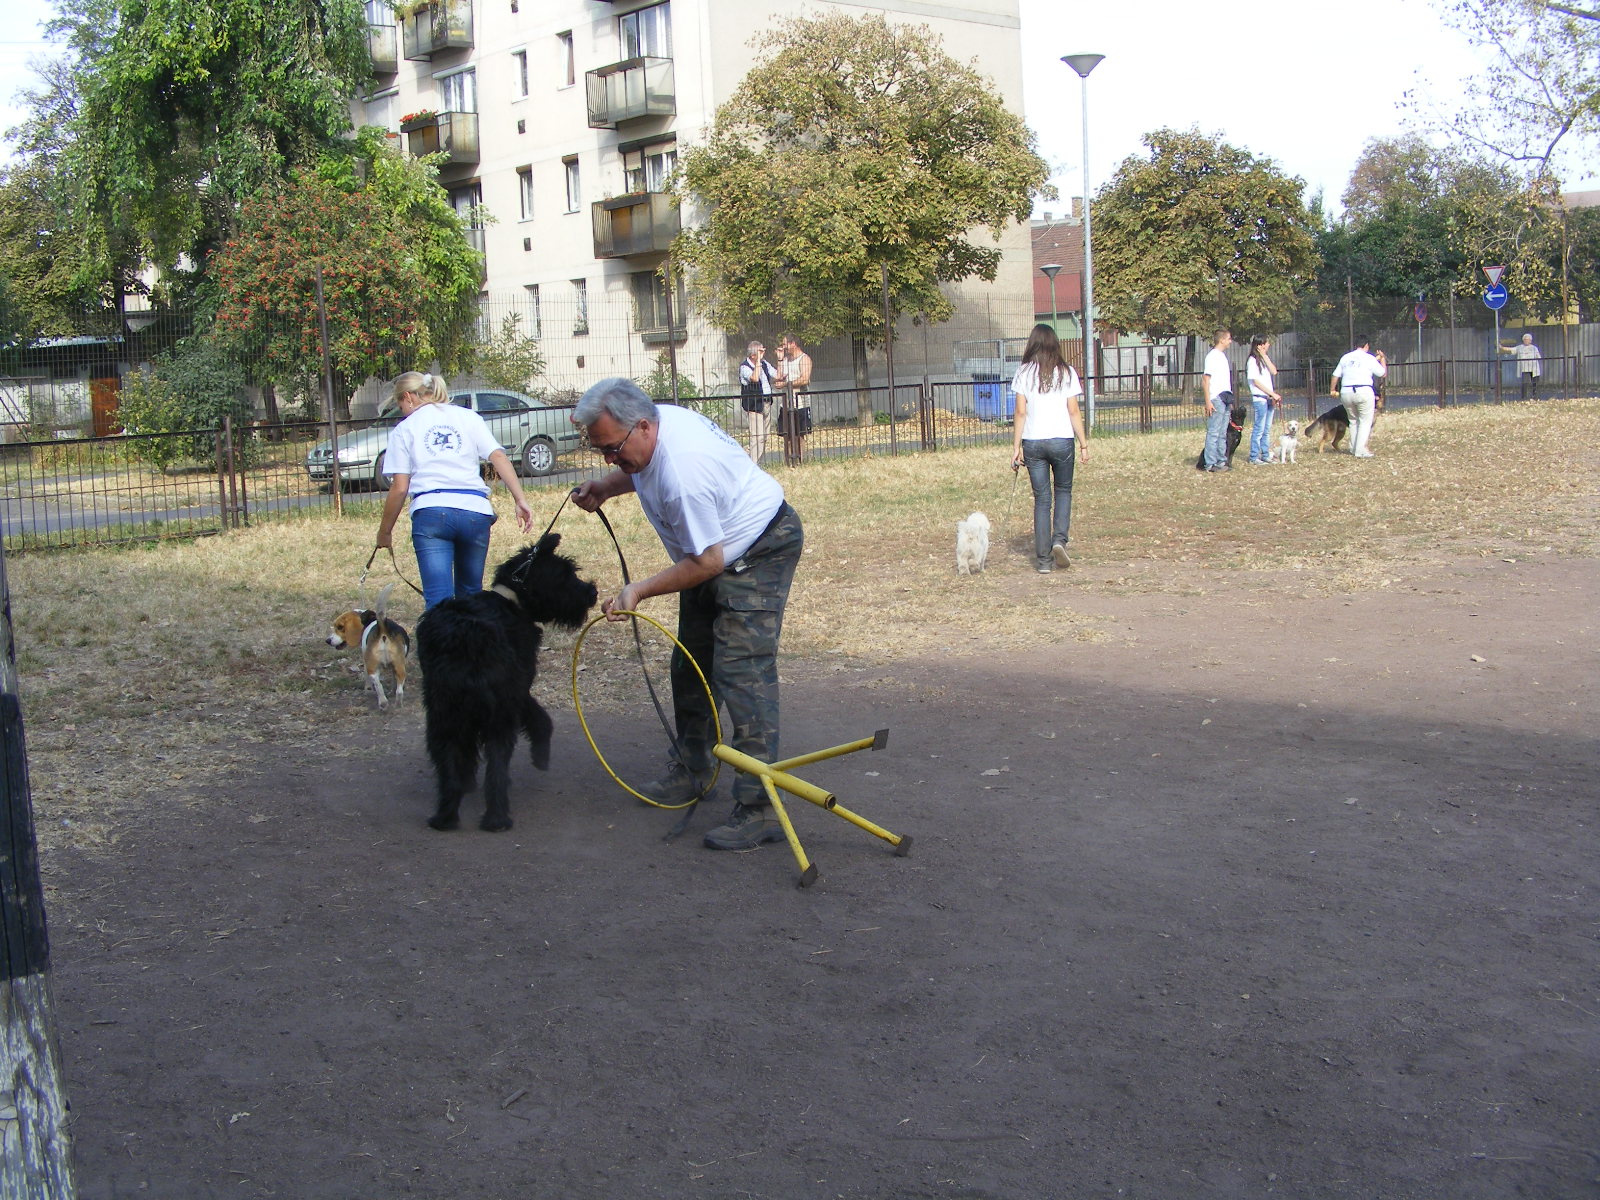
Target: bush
[[188, 390]]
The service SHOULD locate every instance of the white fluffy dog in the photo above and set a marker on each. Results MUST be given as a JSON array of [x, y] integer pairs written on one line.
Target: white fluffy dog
[[972, 544], [1289, 442]]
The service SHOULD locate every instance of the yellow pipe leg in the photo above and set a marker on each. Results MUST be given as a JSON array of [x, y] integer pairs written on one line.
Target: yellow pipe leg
[[902, 845], [876, 742], [790, 783], [808, 869]]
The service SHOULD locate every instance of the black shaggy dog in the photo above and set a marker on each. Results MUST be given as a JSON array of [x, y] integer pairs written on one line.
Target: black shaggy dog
[[1236, 415], [479, 655]]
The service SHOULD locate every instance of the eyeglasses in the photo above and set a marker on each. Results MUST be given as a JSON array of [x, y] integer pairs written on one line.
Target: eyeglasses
[[613, 451]]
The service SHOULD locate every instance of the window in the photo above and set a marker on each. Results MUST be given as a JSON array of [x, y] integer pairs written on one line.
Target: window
[[646, 168], [569, 59], [646, 33], [380, 111], [519, 74], [468, 203], [574, 185], [380, 12], [459, 92], [525, 188], [535, 317], [650, 301], [580, 307]]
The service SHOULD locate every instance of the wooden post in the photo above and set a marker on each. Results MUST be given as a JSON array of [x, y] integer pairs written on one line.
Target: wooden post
[[35, 1150]]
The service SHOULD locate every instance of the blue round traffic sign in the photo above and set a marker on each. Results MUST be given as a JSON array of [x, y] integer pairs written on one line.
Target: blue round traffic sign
[[1496, 296]]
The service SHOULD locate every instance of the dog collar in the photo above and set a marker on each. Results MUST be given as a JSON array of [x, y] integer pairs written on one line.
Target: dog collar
[[503, 590]]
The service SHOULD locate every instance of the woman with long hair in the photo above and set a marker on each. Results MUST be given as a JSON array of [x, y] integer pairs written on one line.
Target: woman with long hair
[[1046, 426], [1260, 369], [438, 447]]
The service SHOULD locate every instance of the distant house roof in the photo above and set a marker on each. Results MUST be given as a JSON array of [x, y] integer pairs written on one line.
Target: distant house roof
[[1582, 199], [1058, 241]]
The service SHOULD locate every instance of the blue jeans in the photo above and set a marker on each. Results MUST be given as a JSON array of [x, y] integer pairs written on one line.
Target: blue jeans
[[452, 545], [1217, 432], [1051, 521], [1260, 429]]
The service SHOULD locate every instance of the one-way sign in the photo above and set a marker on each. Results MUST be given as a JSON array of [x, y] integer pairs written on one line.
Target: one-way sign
[[1496, 296]]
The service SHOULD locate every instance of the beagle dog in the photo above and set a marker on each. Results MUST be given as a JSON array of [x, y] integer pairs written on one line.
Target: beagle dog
[[383, 643]]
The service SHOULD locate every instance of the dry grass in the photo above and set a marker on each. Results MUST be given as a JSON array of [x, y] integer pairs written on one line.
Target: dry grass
[[148, 675]]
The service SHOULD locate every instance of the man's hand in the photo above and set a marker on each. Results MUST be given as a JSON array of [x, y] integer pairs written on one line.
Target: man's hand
[[587, 496], [625, 601]]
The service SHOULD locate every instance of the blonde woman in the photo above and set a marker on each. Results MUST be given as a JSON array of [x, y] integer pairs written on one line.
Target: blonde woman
[[433, 457]]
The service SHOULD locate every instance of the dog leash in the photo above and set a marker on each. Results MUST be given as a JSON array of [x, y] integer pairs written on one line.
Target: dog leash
[[360, 587], [655, 699]]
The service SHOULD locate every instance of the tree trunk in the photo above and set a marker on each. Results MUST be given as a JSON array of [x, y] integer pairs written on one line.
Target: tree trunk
[[35, 1151], [858, 363], [269, 401]]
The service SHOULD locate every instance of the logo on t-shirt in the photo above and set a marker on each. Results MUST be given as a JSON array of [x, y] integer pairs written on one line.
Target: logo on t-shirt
[[442, 439]]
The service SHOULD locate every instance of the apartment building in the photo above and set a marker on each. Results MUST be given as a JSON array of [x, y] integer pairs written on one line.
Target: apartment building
[[562, 121]]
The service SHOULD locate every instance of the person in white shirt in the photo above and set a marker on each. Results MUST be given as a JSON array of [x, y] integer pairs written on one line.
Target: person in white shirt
[[433, 456], [1530, 365], [1048, 425], [1354, 383], [1217, 382], [734, 543], [756, 375], [1259, 370]]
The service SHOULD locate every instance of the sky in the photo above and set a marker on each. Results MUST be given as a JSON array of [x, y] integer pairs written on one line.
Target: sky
[[1307, 84], [1300, 86]]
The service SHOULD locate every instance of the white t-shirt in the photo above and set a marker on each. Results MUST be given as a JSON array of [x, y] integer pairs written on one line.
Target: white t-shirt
[[1260, 379], [440, 447], [1046, 415], [701, 488], [1219, 372], [1358, 369]]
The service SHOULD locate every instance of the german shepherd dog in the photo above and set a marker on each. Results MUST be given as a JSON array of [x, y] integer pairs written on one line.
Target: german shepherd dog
[[1333, 426], [479, 655]]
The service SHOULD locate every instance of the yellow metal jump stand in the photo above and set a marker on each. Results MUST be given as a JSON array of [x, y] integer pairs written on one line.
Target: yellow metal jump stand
[[777, 775]]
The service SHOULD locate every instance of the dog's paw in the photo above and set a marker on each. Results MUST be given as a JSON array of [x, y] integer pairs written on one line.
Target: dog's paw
[[494, 824], [444, 824]]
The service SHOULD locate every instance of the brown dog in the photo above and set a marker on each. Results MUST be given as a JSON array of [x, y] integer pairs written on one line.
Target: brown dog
[[383, 643]]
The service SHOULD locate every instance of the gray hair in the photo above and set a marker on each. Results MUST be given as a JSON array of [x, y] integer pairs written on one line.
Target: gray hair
[[754, 346], [620, 399]]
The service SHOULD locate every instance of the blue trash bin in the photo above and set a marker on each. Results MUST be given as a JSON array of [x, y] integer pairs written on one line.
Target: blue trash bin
[[993, 400]]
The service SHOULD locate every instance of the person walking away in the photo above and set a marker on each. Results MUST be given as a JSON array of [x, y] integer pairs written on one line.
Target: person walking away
[[734, 542], [1354, 384], [1530, 365], [1259, 372], [1047, 426], [1217, 383], [434, 457], [794, 422], [756, 376]]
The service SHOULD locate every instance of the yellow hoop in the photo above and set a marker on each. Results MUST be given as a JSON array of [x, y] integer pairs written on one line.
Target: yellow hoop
[[577, 705]]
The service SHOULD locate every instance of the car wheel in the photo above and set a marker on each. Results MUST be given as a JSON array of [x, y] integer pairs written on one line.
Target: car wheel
[[539, 456], [380, 480]]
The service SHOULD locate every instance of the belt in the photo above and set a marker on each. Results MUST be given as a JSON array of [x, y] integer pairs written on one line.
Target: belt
[[481, 494], [743, 561]]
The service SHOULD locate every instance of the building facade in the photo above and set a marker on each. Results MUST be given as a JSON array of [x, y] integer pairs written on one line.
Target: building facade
[[562, 121]]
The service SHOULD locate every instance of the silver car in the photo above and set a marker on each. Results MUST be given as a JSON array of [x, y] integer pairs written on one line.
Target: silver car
[[532, 433]]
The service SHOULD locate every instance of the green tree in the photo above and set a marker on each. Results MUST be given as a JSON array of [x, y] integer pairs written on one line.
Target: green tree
[[187, 390], [1540, 93], [854, 147], [1197, 235], [509, 358], [186, 108]]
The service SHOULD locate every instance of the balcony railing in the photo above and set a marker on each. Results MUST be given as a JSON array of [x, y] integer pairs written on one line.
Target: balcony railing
[[455, 133], [437, 26], [635, 87], [381, 46], [643, 223]]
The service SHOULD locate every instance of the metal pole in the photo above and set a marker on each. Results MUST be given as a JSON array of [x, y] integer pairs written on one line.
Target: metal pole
[[672, 343], [327, 400], [888, 350], [1088, 271]]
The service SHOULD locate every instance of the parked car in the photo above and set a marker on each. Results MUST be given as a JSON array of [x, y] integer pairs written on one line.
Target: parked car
[[532, 433]]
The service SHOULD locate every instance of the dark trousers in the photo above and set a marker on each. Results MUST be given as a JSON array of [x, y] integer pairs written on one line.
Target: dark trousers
[[731, 625]]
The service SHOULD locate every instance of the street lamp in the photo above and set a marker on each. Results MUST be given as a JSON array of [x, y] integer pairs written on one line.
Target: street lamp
[[1051, 270], [1083, 64]]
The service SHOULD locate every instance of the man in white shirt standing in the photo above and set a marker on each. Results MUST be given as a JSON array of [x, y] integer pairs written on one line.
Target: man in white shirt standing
[[1530, 365], [756, 376], [1353, 384], [1218, 384]]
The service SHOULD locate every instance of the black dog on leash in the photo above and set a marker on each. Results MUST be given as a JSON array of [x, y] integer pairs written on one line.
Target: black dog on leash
[[479, 655], [1236, 415]]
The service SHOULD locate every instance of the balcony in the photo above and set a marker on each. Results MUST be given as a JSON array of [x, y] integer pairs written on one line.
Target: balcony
[[453, 133], [381, 46], [627, 90], [435, 26], [643, 223]]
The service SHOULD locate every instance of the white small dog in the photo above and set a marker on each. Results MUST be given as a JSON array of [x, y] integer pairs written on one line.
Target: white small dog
[[1289, 442], [972, 544]]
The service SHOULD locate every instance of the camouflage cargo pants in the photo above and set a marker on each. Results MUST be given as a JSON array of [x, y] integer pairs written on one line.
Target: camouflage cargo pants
[[731, 625]]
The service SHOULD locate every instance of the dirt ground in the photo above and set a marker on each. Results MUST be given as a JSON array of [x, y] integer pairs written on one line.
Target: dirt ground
[[1242, 898]]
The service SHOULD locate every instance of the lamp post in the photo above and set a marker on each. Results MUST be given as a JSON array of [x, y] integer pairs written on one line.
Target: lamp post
[[1050, 271], [1083, 64]]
